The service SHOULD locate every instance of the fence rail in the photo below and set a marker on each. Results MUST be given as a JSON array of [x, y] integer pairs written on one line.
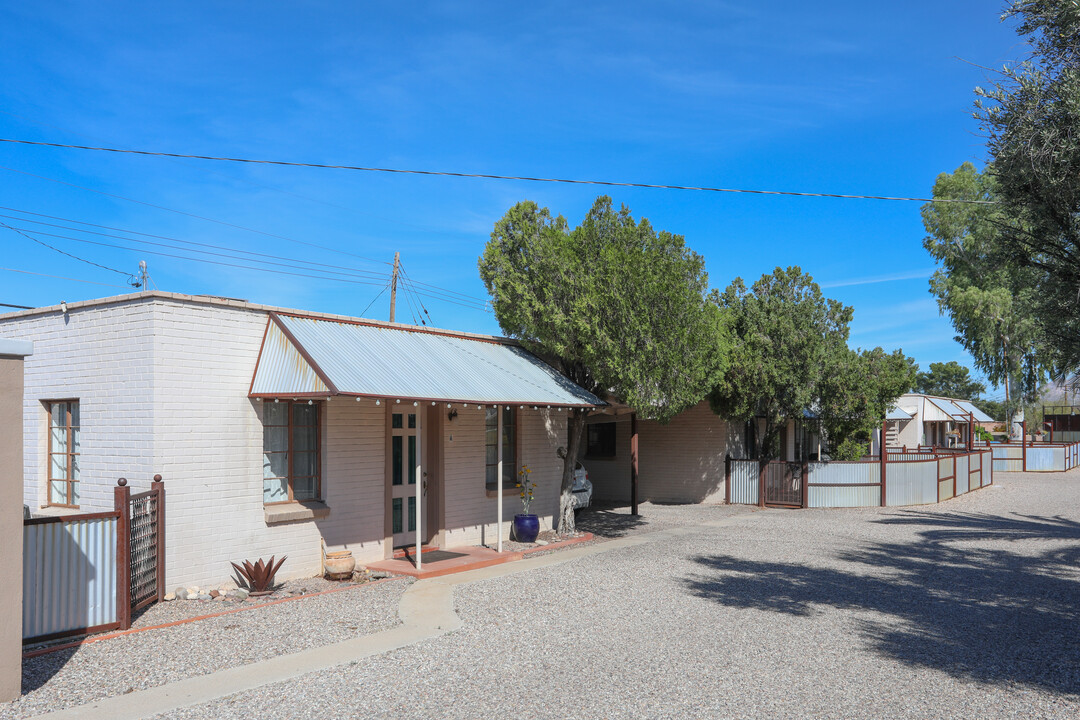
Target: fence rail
[[915, 478], [87, 573]]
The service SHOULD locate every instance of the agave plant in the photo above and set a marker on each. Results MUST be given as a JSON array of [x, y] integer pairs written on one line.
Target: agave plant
[[259, 577]]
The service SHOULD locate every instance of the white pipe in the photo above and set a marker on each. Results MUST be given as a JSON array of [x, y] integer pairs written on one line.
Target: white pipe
[[499, 478], [419, 484]]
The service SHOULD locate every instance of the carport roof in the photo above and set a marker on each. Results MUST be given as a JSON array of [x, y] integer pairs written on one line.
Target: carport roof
[[315, 357]]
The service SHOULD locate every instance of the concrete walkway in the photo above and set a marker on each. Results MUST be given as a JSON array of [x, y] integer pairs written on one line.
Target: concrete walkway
[[426, 611]]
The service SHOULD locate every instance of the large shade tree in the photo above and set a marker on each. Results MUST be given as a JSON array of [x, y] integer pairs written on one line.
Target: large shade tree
[[1031, 113], [949, 379], [618, 307], [991, 296], [789, 355]]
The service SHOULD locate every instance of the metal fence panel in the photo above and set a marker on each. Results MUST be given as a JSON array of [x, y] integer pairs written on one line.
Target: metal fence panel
[[1008, 458], [987, 468], [69, 576], [911, 483], [1045, 459], [962, 474], [844, 497], [848, 473], [910, 457], [1068, 436], [744, 482]]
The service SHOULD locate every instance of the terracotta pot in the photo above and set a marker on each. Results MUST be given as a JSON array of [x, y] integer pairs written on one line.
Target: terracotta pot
[[339, 564]]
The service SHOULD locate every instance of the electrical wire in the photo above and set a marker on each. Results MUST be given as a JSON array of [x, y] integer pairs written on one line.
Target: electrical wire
[[385, 288], [358, 271], [74, 257], [364, 274], [192, 215], [61, 277], [18, 307], [488, 176], [201, 260]]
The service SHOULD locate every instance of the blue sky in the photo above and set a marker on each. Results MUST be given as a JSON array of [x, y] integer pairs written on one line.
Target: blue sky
[[846, 97]]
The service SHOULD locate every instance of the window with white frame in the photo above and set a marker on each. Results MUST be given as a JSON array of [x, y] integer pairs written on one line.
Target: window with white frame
[[509, 444], [290, 451], [64, 448]]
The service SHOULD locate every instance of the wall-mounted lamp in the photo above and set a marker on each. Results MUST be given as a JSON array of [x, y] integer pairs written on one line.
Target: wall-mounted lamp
[[451, 415]]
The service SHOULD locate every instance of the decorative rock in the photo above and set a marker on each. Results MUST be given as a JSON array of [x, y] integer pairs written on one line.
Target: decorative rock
[[194, 589], [545, 542], [379, 575], [169, 596], [204, 596], [182, 593], [215, 594], [239, 594]]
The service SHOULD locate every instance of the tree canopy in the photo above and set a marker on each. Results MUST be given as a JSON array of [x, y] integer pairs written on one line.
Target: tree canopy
[[789, 355], [617, 306], [1031, 114], [991, 297], [949, 379]]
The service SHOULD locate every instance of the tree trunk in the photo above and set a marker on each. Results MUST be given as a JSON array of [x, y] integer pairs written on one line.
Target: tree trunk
[[566, 496]]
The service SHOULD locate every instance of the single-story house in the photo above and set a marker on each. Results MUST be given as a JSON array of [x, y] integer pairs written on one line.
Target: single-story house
[[680, 462], [276, 431], [930, 420]]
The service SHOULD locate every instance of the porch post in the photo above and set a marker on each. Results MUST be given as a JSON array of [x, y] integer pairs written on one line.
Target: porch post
[[633, 464], [499, 478], [419, 483]]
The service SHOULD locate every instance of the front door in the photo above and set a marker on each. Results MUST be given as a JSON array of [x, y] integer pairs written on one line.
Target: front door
[[403, 432]]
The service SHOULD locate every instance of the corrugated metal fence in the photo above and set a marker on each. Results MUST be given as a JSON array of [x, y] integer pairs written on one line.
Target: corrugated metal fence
[[78, 571], [1036, 457], [911, 479]]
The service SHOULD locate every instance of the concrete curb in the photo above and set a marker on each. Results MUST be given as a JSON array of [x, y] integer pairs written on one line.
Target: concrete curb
[[426, 610]]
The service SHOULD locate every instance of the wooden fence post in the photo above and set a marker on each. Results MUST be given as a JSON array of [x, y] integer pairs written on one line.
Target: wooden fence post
[[761, 482], [158, 486], [122, 505], [727, 479], [633, 465], [884, 459], [1023, 444]]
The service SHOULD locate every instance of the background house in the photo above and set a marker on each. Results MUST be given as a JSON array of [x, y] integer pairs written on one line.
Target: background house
[[275, 431]]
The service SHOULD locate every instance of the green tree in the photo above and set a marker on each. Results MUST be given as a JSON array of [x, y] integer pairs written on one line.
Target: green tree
[[618, 307], [1031, 114], [991, 298], [789, 354], [856, 394], [949, 379]]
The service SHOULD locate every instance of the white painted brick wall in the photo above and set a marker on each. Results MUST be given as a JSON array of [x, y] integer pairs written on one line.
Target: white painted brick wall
[[470, 513]]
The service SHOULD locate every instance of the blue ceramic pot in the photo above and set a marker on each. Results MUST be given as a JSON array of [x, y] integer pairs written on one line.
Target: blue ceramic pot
[[526, 528]]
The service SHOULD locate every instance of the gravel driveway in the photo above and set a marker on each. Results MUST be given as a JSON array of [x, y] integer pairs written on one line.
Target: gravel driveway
[[960, 610], [155, 657]]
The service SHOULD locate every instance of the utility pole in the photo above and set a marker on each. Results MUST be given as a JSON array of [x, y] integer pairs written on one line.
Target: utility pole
[[144, 276], [393, 285]]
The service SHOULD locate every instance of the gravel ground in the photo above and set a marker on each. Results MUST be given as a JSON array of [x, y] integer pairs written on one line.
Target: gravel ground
[[155, 657], [966, 609]]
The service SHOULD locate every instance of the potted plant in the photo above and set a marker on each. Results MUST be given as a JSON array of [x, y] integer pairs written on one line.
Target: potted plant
[[526, 525]]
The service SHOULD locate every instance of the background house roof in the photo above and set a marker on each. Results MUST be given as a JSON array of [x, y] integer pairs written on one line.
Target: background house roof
[[306, 356]]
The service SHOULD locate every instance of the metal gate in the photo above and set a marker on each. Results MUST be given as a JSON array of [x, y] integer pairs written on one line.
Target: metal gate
[[784, 483], [145, 558]]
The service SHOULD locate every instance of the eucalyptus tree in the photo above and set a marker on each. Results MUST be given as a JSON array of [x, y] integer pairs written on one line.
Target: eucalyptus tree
[[619, 308]]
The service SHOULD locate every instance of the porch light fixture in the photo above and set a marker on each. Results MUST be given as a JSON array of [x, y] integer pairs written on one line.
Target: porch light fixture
[[451, 415], [432, 403], [377, 402], [466, 406], [277, 400], [310, 402], [398, 401], [415, 403]]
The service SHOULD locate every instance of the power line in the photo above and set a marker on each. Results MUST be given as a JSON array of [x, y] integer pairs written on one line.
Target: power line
[[74, 257], [191, 215], [19, 307], [201, 260], [358, 273], [61, 277], [487, 176], [385, 288]]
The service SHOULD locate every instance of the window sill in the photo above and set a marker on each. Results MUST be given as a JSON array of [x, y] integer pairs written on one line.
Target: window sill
[[295, 511]]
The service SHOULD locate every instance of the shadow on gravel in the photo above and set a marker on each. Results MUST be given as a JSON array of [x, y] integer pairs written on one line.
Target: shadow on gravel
[[609, 521], [984, 614]]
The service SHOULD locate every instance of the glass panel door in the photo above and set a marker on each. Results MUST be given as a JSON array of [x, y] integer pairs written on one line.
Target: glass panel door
[[403, 431]]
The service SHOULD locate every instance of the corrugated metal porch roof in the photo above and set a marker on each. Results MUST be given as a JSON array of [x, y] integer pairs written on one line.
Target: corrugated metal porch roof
[[305, 356], [897, 413]]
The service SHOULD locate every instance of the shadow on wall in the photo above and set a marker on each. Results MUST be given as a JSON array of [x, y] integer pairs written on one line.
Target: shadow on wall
[[987, 614]]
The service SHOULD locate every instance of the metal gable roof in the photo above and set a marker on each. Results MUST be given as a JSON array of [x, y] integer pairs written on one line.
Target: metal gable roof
[[311, 356], [896, 413], [968, 407]]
